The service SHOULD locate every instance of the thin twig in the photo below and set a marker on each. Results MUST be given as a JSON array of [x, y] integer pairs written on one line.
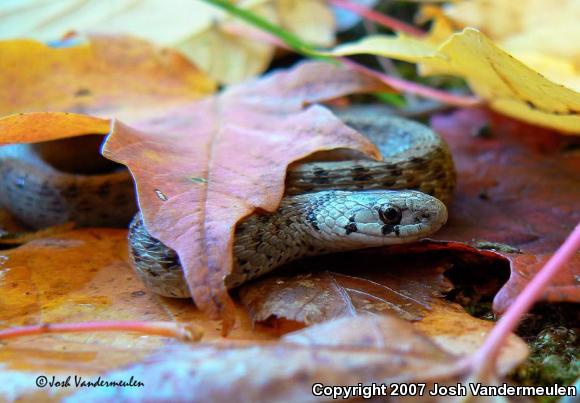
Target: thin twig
[[485, 359], [379, 18], [185, 332]]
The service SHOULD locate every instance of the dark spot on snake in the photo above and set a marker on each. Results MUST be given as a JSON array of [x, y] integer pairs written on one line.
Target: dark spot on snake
[[396, 172], [387, 229], [360, 173], [389, 183], [313, 221], [350, 228], [417, 160], [321, 176], [397, 230]]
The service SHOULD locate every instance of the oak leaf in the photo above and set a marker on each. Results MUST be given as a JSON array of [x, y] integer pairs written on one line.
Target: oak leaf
[[194, 182]]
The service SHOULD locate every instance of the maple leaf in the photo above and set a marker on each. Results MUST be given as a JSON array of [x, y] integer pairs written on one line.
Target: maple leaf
[[193, 182]]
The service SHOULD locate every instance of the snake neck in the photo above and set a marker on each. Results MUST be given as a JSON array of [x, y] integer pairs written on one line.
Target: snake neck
[[266, 241]]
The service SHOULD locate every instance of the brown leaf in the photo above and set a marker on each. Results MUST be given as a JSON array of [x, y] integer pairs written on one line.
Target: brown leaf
[[193, 182], [402, 286], [404, 280], [518, 187], [347, 351]]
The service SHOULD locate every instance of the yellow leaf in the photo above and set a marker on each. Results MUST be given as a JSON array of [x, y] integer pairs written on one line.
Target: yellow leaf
[[536, 32], [508, 85], [43, 126], [104, 76], [212, 39]]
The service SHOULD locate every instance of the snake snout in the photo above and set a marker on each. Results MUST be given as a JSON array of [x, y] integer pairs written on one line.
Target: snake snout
[[431, 214]]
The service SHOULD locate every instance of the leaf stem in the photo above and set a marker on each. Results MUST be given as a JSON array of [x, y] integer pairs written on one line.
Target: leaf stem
[[185, 332], [485, 359], [274, 32], [414, 88], [381, 19]]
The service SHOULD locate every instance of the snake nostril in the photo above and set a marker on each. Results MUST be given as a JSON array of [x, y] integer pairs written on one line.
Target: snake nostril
[[426, 216]]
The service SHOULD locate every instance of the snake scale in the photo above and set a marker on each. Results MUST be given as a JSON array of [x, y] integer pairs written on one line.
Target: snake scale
[[333, 202]]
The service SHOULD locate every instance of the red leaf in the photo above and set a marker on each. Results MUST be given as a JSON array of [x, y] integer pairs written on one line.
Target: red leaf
[[518, 186], [194, 183]]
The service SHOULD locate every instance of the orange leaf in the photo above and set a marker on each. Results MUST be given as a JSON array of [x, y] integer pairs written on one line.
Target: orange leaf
[[42, 126], [105, 76], [195, 183]]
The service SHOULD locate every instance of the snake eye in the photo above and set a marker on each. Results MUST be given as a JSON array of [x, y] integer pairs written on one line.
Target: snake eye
[[390, 215]]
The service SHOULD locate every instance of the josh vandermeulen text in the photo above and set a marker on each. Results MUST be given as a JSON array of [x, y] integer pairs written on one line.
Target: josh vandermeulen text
[[77, 381], [423, 389]]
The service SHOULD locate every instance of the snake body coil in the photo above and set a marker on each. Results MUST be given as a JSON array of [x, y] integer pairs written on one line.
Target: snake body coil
[[334, 202]]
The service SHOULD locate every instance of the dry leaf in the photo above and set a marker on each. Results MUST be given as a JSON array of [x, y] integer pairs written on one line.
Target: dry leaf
[[194, 185], [406, 280], [534, 31], [347, 351], [210, 38], [348, 285], [518, 188], [106, 76], [82, 276], [509, 86]]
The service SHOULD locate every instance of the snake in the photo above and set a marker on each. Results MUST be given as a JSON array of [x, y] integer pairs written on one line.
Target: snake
[[65, 181], [333, 201]]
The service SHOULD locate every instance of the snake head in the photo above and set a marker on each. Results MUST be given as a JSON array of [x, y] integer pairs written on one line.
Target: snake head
[[386, 217]]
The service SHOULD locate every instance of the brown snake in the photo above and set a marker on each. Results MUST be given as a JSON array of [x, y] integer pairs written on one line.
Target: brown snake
[[334, 201], [330, 206]]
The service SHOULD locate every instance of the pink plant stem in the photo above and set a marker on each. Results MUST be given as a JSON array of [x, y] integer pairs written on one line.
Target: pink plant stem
[[168, 329], [485, 358], [379, 18], [414, 88], [396, 83]]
